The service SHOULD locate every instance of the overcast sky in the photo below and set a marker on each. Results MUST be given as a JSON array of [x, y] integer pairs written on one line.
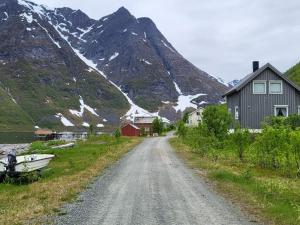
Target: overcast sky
[[220, 37]]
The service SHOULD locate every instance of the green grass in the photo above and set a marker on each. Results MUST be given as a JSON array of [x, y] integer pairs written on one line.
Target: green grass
[[67, 174], [271, 197]]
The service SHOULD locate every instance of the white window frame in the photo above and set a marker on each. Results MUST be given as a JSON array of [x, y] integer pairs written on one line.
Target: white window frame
[[281, 106], [236, 113], [259, 82], [276, 81], [299, 110]]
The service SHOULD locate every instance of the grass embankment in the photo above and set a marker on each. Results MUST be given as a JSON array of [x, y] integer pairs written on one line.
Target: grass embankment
[[67, 174], [272, 198]]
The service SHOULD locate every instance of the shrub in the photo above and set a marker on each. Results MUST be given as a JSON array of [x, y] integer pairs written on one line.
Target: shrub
[[293, 121], [117, 134], [185, 118], [182, 129], [158, 126], [272, 147], [295, 144], [217, 120], [241, 140]]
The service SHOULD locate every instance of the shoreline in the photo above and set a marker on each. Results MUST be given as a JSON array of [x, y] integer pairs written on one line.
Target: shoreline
[[5, 148]]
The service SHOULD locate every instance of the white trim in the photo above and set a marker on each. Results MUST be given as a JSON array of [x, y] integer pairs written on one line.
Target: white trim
[[259, 82], [275, 81], [236, 113], [299, 110], [281, 106]]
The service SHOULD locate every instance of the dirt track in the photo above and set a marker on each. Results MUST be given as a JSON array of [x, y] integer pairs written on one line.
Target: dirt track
[[150, 186]]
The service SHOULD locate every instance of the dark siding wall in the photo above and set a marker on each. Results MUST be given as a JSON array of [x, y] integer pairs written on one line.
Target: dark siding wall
[[255, 107], [233, 101]]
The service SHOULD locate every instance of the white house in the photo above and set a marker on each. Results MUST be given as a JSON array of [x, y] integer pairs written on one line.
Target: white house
[[195, 117]]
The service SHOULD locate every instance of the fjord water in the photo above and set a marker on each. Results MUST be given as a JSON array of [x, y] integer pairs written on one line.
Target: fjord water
[[16, 137]]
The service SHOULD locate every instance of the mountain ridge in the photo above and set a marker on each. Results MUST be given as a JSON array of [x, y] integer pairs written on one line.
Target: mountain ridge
[[66, 51]]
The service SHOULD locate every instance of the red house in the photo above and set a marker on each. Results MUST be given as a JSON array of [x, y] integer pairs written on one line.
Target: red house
[[130, 130]]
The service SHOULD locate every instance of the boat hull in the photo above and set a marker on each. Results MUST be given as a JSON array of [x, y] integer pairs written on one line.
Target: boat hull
[[28, 163]]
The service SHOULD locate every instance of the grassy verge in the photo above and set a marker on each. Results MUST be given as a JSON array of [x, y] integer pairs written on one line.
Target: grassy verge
[[271, 198], [68, 174]]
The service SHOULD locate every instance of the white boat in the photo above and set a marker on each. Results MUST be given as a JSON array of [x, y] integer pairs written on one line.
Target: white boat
[[28, 163], [2, 167], [69, 145]]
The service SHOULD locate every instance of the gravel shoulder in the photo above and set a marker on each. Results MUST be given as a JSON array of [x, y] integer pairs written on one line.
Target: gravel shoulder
[[150, 186]]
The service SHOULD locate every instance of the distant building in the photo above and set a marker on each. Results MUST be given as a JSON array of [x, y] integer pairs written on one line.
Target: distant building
[[265, 92], [130, 130], [145, 124], [44, 134], [195, 117]]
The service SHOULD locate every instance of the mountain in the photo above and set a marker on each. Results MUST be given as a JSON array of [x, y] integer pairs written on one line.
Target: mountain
[[233, 83], [58, 67], [44, 78]]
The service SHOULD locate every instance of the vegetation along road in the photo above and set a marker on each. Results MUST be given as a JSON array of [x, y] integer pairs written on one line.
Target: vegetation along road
[[150, 186]]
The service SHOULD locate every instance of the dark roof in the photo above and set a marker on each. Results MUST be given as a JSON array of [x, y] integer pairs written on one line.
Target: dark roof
[[252, 76]]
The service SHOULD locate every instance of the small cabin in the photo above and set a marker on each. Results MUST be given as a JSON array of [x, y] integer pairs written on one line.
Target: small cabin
[[264, 92], [130, 130]]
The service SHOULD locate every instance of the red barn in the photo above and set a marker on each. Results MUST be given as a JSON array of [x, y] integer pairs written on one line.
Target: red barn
[[130, 130]]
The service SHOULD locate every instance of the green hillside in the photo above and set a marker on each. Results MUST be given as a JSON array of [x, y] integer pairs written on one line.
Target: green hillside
[[294, 74]]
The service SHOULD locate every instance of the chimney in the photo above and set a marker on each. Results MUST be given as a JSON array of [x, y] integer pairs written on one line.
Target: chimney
[[255, 65]]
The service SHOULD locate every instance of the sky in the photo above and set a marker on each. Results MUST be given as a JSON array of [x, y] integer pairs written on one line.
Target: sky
[[219, 37]]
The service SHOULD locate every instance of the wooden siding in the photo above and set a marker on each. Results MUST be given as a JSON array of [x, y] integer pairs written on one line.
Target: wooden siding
[[255, 107], [233, 101]]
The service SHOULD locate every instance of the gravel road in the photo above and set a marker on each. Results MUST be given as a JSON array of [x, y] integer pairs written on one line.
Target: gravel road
[[150, 186]]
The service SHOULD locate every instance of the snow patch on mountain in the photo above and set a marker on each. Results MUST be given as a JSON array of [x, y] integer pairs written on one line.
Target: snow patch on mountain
[[115, 55], [28, 17], [165, 44], [64, 120], [185, 101], [83, 106]]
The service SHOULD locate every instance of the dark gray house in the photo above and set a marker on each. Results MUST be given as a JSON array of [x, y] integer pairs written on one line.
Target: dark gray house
[[263, 93]]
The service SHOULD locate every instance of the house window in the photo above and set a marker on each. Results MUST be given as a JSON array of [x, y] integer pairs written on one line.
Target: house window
[[236, 112], [259, 87], [275, 87], [281, 110]]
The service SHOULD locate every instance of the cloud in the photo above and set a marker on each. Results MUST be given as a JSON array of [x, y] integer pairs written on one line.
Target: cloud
[[220, 37]]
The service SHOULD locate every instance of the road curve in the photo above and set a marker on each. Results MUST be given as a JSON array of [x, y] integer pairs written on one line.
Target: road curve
[[150, 186]]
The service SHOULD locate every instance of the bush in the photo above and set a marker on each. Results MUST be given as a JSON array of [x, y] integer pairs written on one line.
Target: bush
[[182, 129], [217, 120], [241, 140], [295, 143], [117, 134], [158, 126], [293, 121], [272, 147]]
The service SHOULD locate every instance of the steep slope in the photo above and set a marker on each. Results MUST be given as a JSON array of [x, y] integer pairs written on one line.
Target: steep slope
[[46, 78], [294, 74], [138, 58], [63, 68]]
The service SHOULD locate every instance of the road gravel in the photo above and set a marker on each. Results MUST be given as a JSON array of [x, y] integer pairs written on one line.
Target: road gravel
[[150, 186]]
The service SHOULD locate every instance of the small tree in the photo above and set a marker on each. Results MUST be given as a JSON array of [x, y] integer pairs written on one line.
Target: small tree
[[117, 134], [217, 121], [182, 129], [91, 131], [185, 118], [241, 140], [295, 143], [158, 126]]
